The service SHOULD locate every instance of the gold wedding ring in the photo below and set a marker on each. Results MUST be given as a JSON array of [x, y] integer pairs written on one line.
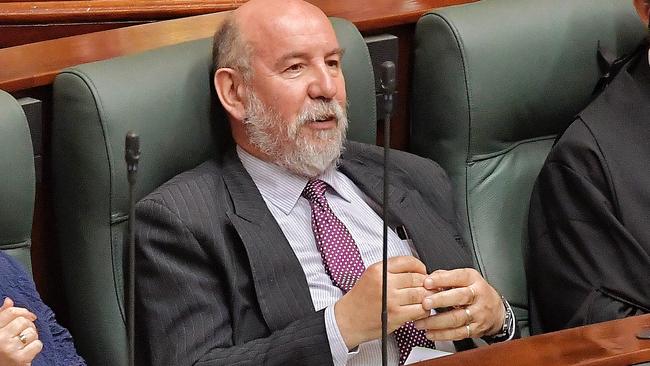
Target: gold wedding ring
[[22, 337], [469, 316], [469, 333], [473, 295]]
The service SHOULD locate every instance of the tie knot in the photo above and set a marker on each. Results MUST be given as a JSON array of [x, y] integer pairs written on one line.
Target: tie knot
[[315, 190]]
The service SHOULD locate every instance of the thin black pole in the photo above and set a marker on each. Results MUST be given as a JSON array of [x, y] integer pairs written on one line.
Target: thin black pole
[[384, 281], [131, 301], [388, 86], [132, 157]]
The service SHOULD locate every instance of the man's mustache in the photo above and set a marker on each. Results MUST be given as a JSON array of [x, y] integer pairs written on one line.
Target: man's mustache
[[319, 111]]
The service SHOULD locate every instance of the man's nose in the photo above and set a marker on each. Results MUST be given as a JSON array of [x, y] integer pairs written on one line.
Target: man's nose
[[324, 83]]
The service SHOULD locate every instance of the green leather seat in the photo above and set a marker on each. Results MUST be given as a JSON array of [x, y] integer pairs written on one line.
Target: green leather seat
[[17, 181], [493, 84], [165, 96]]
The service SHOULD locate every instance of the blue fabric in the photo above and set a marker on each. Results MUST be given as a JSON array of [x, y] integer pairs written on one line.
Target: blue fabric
[[58, 349]]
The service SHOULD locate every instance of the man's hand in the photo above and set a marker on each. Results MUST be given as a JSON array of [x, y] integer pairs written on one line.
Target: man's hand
[[476, 308], [19, 342], [358, 313]]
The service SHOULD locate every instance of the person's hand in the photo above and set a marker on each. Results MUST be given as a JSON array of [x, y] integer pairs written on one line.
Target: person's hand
[[358, 313], [19, 342], [476, 309]]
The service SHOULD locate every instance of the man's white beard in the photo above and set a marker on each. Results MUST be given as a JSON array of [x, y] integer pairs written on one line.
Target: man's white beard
[[286, 146]]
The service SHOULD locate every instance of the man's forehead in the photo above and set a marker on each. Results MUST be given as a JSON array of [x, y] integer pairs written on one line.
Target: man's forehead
[[299, 25]]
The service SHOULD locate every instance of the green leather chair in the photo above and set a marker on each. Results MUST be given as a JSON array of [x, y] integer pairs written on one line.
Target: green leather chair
[[165, 96], [493, 84], [17, 181]]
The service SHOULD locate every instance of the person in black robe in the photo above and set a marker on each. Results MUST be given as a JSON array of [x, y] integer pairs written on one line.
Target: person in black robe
[[588, 258]]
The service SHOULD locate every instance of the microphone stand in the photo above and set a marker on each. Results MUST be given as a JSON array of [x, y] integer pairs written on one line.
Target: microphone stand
[[387, 78], [132, 157]]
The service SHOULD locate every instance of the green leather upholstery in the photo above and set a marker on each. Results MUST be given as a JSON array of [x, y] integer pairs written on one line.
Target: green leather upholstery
[[494, 82], [17, 181], [165, 96]]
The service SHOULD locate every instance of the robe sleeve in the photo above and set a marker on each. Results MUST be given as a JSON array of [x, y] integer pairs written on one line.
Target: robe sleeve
[[583, 266]]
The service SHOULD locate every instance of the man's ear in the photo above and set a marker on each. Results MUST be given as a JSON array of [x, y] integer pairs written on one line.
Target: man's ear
[[228, 84], [643, 8]]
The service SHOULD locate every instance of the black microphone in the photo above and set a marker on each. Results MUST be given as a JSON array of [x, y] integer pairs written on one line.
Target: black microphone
[[387, 77], [388, 83], [132, 157]]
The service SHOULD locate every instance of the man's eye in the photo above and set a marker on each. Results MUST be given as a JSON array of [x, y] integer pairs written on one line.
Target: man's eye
[[295, 68], [335, 64]]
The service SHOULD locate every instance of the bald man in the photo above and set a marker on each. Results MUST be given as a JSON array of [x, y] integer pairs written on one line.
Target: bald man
[[271, 255], [589, 224]]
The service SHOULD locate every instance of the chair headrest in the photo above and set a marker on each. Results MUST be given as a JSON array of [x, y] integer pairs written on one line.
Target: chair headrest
[[517, 69], [17, 185]]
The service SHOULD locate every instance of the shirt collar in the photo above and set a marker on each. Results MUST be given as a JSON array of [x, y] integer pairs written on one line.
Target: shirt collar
[[334, 178], [281, 187]]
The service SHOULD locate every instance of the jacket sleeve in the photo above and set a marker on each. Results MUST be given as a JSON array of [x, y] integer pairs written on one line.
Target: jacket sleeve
[[183, 316], [583, 265]]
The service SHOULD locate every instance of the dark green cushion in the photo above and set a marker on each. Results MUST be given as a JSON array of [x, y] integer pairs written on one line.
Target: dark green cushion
[[494, 82], [165, 96], [17, 181]]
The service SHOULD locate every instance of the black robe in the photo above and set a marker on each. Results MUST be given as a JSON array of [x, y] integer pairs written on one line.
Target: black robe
[[588, 258]]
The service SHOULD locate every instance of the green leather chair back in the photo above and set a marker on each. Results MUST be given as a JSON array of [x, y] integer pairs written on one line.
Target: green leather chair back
[[17, 181], [494, 82], [165, 96]]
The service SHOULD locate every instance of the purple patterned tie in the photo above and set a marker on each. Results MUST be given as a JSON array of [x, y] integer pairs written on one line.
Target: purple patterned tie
[[343, 262]]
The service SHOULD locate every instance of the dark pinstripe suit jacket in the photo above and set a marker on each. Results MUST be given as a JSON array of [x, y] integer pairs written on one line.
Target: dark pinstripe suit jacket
[[218, 283]]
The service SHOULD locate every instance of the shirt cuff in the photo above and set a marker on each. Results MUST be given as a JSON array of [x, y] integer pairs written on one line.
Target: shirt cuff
[[339, 350]]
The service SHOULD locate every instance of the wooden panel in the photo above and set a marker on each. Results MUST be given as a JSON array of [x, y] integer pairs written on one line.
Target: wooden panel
[[17, 1], [25, 67], [375, 14], [16, 35], [32, 12], [612, 343]]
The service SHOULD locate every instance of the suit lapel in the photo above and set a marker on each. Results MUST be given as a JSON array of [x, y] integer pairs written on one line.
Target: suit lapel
[[434, 238], [280, 283]]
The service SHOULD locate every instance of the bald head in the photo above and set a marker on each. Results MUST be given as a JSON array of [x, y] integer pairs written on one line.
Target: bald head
[[264, 23], [251, 29], [263, 12]]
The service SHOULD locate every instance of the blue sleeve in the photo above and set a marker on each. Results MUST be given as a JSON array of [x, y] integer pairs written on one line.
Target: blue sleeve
[[58, 348], [64, 350]]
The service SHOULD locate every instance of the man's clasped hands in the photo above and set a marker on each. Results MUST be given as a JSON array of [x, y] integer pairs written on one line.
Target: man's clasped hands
[[466, 305]]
